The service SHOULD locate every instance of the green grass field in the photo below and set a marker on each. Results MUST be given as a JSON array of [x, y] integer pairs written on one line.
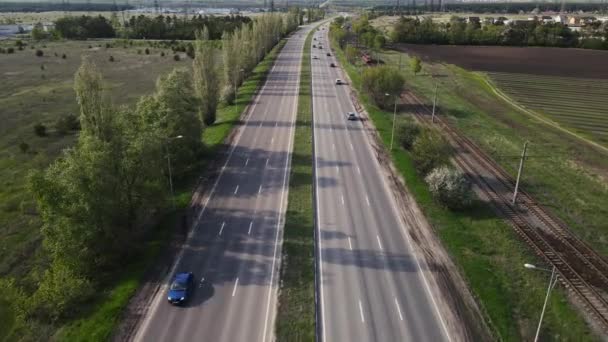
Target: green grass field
[[296, 312], [484, 248], [575, 103], [39, 90]]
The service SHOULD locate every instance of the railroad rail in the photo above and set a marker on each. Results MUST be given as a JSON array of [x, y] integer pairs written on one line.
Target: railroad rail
[[581, 270]]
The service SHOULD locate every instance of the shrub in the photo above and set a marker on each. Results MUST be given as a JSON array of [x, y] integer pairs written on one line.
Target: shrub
[[429, 151], [450, 187], [20, 48], [108, 45], [407, 132], [10, 50], [39, 53], [382, 80], [63, 56], [42, 67], [139, 52], [147, 51], [19, 42], [190, 50], [67, 123], [56, 55], [2, 50], [24, 147], [40, 129], [111, 58], [176, 57], [162, 54]]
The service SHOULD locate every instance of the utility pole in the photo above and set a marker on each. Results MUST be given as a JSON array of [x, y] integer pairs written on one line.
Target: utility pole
[[519, 171], [434, 104]]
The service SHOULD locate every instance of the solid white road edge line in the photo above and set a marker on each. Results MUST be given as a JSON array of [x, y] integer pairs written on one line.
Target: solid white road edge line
[[350, 245], [318, 222], [285, 176], [236, 189], [246, 161], [367, 200], [379, 243], [250, 226]]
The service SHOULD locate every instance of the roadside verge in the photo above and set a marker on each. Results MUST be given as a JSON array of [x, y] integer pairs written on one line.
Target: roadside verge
[[296, 311]]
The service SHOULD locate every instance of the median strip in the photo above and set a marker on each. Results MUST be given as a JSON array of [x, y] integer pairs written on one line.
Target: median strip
[[296, 312]]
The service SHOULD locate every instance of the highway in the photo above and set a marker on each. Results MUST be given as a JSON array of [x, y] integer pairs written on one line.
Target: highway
[[234, 248], [371, 286]]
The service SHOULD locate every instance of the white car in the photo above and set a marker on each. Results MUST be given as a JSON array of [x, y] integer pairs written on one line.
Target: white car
[[339, 81], [351, 116]]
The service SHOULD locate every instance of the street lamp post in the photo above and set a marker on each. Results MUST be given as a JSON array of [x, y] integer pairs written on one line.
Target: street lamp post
[[394, 119], [169, 167], [552, 282]]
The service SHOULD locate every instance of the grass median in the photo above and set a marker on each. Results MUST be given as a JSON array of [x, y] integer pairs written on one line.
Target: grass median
[[296, 312], [486, 250], [102, 318]]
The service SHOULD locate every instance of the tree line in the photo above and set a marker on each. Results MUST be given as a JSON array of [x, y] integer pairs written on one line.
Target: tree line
[[145, 27], [96, 199], [519, 33], [62, 6], [411, 7]]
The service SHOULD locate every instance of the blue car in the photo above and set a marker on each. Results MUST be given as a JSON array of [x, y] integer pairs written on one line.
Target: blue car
[[181, 288]]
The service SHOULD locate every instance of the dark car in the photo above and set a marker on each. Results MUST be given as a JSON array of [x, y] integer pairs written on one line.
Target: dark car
[[181, 288], [332, 65], [328, 54]]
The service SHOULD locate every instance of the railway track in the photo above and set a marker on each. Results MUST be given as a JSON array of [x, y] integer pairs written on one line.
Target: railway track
[[581, 270]]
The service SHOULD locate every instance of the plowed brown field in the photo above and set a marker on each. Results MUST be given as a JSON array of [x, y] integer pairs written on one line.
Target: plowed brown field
[[527, 60]]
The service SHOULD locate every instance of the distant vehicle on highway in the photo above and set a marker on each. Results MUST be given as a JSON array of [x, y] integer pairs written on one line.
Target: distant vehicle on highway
[[332, 65], [351, 116], [181, 288], [315, 57], [339, 81], [315, 38], [314, 46], [320, 47], [328, 54]]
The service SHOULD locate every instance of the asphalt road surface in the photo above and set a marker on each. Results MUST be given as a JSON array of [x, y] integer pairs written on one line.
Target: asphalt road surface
[[234, 248], [371, 286]]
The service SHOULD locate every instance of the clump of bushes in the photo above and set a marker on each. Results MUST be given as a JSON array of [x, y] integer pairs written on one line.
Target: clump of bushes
[[10, 50], [380, 81], [407, 132], [111, 58], [147, 51], [39, 53], [162, 54], [430, 150], [176, 57], [450, 187], [40, 130], [67, 123], [24, 147], [63, 56]]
